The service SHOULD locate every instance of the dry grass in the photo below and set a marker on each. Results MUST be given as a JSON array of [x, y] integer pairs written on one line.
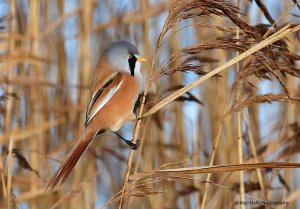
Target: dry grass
[[219, 122]]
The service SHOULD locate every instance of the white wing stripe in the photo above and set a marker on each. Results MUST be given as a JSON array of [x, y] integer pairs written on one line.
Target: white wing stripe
[[105, 100]]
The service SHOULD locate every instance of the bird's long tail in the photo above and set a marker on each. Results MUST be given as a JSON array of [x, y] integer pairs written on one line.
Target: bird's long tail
[[72, 159]]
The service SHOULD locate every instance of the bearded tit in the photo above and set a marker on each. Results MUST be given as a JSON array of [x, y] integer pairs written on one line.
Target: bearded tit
[[116, 85]]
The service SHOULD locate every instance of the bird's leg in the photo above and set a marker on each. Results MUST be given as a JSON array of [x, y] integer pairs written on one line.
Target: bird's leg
[[138, 102], [130, 143]]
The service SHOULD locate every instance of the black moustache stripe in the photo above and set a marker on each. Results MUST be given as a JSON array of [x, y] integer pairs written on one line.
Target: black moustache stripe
[[132, 62]]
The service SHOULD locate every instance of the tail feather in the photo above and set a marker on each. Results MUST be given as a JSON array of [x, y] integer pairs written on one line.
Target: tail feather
[[72, 159]]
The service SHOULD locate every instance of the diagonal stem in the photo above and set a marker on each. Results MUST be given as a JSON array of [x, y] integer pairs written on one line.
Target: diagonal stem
[[137, 128]]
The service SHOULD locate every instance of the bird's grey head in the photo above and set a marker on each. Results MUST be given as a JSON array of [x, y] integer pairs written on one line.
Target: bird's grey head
[[124, 57]]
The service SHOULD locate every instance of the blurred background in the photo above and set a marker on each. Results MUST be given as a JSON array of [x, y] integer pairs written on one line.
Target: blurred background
[[250, 112]]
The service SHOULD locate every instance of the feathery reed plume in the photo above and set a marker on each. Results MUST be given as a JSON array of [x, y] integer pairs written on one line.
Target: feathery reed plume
[[246, 52]]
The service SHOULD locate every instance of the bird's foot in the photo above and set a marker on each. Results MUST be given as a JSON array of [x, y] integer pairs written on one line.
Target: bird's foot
[[132, 145]]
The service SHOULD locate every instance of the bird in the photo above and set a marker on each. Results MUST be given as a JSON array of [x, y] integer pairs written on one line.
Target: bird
[[115, 91]]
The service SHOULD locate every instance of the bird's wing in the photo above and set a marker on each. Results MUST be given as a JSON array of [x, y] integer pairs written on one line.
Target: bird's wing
[[103, 95], [98, 100]]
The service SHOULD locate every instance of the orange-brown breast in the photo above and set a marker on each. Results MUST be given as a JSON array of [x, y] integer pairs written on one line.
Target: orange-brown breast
[[122, 102]]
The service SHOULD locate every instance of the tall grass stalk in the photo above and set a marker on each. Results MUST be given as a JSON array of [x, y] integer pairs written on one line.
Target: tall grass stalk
[[219, 121]]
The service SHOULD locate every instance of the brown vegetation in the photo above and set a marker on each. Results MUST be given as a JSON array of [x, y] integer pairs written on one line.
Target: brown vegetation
[[219, 121]]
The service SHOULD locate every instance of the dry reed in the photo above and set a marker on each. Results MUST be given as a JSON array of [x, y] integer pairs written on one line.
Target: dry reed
[[219, 121]]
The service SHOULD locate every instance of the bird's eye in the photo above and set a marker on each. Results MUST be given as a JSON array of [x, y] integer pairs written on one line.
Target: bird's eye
[[130, 56]]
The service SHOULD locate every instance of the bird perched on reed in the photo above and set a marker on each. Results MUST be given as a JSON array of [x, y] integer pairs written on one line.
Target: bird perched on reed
[[116, 85]]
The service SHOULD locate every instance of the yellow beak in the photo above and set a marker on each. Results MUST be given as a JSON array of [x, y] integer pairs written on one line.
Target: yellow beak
[[141, 59]]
